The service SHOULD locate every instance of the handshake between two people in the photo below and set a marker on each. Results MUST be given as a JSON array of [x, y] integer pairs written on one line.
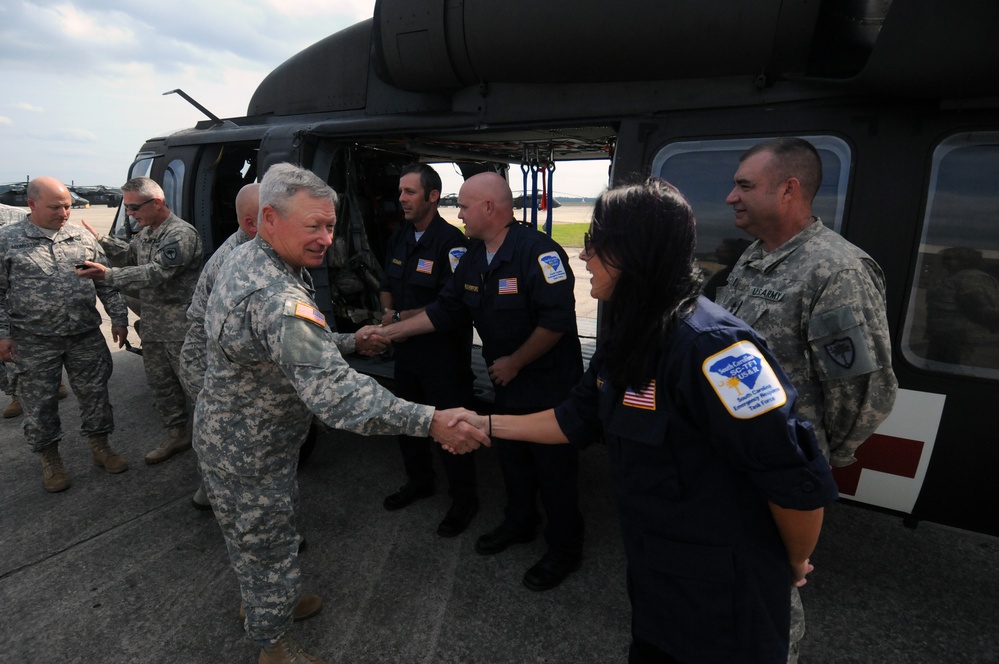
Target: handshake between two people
[[459, 430], [369, 341]]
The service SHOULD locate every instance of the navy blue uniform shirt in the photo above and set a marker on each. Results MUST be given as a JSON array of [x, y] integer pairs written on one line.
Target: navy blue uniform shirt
[[529, 284], [695, 457], [415, 272]]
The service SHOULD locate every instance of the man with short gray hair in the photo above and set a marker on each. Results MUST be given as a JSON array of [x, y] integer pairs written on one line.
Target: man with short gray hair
[[272, 363], [160, 265]]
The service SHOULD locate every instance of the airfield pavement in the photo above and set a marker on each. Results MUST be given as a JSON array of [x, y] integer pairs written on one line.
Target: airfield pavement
[[120, 568]]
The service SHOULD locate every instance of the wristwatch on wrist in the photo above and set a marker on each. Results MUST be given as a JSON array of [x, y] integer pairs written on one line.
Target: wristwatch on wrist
[[396, 317]]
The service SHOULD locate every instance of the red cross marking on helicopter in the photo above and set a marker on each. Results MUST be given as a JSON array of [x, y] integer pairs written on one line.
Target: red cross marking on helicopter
[[886, 454]]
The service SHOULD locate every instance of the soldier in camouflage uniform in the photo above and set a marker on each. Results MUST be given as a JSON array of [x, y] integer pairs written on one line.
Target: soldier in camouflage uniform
[[272, 362], [962, 308], [49, 321], [818, 300], [161, 266], [193, 352], [8, 215]]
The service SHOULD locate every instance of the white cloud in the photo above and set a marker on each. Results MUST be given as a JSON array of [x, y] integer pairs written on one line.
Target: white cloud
[[92, 28], [92, 75], [357, 10], [72, 135]]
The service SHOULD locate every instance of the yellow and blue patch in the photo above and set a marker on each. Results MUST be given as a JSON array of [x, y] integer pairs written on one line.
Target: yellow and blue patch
[[552, 267], [744, 381], [454, 255]]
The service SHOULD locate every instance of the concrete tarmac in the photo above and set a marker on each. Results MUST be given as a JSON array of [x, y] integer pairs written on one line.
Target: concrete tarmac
[[120, 568]]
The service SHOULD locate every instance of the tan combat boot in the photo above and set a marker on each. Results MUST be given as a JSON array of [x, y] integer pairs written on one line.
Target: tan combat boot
[[53, 472], [105, 456], [14, 408], [286, 651], [62, 391], [176, 441], [309, 604]]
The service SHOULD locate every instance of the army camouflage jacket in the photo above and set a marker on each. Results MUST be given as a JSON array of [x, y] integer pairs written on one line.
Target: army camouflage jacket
[[192, 354], [39, 289], [10, 214], [271, 363], [819, 302], [161, 268]]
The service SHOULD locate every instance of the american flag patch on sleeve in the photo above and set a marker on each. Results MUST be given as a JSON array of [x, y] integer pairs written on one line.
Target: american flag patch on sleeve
[[303, 310]]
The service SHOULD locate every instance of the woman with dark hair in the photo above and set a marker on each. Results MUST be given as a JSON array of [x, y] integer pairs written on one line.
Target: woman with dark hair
[[720, 487]]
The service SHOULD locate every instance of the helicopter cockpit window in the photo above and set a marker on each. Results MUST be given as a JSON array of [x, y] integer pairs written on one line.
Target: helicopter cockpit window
[[173, 185], [124, 226], [703, 170], [952, 321]]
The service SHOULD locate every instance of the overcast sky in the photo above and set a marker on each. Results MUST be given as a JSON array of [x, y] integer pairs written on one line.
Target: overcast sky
[[82, 83]]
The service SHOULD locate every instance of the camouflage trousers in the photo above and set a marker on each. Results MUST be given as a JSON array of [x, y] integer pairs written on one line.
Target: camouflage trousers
[[257, 517], [7, 383], [38, 371], [797, 625], [161, 360]]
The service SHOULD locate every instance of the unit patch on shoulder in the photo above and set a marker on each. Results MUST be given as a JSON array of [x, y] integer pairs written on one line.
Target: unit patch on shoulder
[[644, 398], [841, 351], [310, 313], [454, 255], [744, 381], [425, 266], [170, 254], [552, 267]]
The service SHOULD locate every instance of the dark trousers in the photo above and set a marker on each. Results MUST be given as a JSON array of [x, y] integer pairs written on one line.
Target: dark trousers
[[552, 471], [646, 653], [441, 389]]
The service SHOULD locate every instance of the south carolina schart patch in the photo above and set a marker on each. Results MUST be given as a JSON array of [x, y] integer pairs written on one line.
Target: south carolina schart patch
[[552, 267], [744, 381]]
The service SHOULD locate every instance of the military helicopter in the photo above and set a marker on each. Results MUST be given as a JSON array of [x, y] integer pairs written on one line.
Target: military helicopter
[[900, 97], [16, 193], [98, 194]]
